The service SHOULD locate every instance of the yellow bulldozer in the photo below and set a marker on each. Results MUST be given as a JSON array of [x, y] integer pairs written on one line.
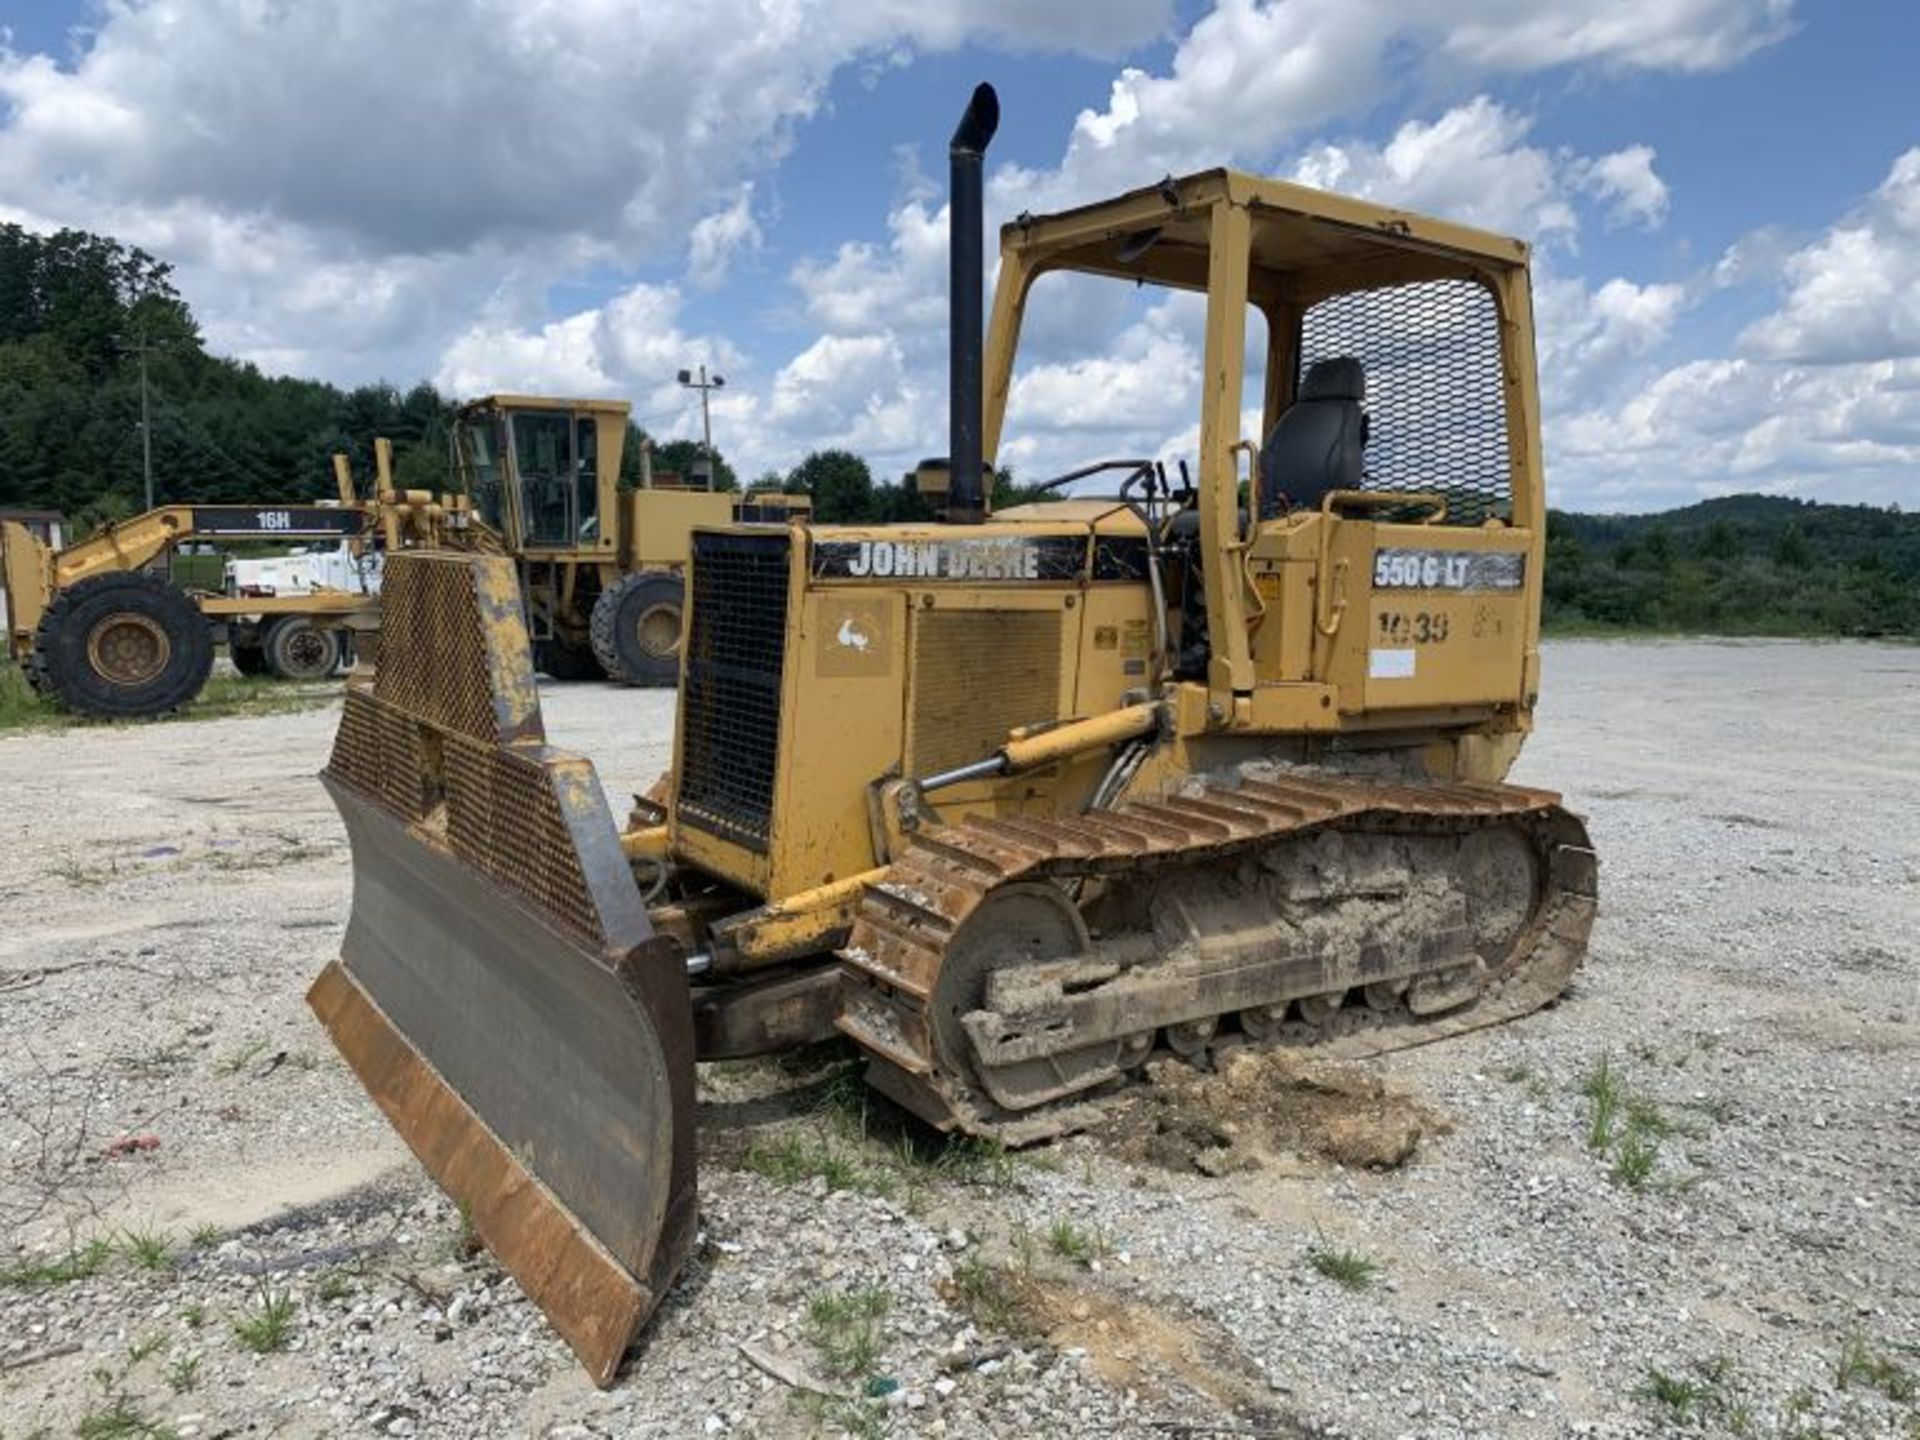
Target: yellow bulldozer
[[1015, 802]]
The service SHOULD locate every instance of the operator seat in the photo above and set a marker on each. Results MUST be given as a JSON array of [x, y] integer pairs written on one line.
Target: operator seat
[[1318, 444]]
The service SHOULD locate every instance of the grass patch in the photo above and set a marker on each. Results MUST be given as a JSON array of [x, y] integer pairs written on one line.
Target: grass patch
[[122, 1419], [796, 1160], [1634, 1160], [1678, 1395], [1631, 1127], [987, 1295], [79, 1263], [1070, 1242], [147, 1250], [1348, 1269], [269, 1325], [239, 1060], [143, 1347], [333, 1285], [184, 1374], [226, 695], [1709, 1393], [19, 706], [1860, 1364], [859, 1419], [194, 1313], [204, 1237], [845, 1327], [1605, 1093]]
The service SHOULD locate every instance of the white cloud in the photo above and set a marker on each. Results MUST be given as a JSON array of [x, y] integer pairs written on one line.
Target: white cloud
[[631, 347], [1251, 76], [1684, 35], [1626, 178], [402, 143], [1822, 396], [717, 238], [1854, 294], [1469, 164]]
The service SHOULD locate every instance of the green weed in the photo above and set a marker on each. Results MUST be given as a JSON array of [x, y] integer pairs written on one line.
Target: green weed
[[269, 1325], [239, 1060], [79, 1263], [1603, 1089], [1070, 1242], [1859, 1364], [845, 1326], [184, 1374], [795, 1160], [1680, 1396], [1348, 1269], [1633, 1162], [20, 707], [147, 1250], [122, 1419]]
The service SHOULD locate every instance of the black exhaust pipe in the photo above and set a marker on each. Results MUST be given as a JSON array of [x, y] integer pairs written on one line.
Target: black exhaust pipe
[[966, 495]]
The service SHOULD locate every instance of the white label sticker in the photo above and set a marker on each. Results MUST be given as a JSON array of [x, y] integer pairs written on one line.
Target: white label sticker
[[1390, 664]]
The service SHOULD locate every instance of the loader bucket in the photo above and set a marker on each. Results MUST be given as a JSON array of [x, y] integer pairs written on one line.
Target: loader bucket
[[500, 992]]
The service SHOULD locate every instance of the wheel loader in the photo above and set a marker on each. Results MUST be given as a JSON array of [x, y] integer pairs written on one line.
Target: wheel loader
[[1015, 802]]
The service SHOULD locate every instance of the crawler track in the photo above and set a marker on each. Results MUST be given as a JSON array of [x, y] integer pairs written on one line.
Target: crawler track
[[1101, 1002]]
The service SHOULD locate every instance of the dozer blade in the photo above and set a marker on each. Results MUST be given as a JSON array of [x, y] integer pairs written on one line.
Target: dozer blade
[[499, 992]]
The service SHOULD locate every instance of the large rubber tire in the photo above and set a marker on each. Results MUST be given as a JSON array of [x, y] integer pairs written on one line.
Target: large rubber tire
[[567, 662], [248, 658], [637, 625], [296, 648], [121, 646]]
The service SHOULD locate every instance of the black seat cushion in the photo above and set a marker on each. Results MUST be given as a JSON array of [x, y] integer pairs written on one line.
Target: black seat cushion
[[1319, 443]]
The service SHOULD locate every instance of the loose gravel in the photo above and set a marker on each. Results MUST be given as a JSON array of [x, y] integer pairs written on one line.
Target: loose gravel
[[1682, 1200]]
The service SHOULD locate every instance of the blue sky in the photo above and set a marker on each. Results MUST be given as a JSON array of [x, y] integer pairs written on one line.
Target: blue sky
[[584, 195]]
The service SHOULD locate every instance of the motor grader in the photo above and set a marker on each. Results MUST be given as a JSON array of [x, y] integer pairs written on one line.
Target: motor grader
[[1014, 802], [599, 566], [98, 627]]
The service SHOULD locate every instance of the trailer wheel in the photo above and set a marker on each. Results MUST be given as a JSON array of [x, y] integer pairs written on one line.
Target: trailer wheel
[[567, 662], [121, 646], [637, 624], [249, 658], [298, 649]]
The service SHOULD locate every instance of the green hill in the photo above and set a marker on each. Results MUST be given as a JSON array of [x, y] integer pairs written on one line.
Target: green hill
[[1739, 565]]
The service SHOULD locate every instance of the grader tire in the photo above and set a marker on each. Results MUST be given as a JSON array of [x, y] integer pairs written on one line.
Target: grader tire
[[121, 646], [295, 648], [637, 625]]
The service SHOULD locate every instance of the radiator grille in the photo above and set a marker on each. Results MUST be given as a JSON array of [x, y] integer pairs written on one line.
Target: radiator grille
[[1436, 400], [730, 691], [976, 675]]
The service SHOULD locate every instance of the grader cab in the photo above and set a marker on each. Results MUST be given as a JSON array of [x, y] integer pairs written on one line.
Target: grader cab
[[1015, 802]]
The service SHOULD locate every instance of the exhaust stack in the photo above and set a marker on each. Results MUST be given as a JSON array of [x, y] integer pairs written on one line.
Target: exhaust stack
[[966, 497]]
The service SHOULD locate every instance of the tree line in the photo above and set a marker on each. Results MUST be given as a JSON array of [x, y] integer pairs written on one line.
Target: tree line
[[80, 312], [1738, 565]]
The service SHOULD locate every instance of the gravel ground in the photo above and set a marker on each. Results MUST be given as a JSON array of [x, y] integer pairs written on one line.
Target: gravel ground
[[204, 1226]]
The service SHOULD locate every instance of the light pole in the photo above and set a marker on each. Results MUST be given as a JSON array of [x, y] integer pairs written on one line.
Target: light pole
[[705, 385], [142, 348]]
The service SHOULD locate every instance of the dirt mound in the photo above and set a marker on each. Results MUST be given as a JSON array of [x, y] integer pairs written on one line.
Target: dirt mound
[[1258, 1105]]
